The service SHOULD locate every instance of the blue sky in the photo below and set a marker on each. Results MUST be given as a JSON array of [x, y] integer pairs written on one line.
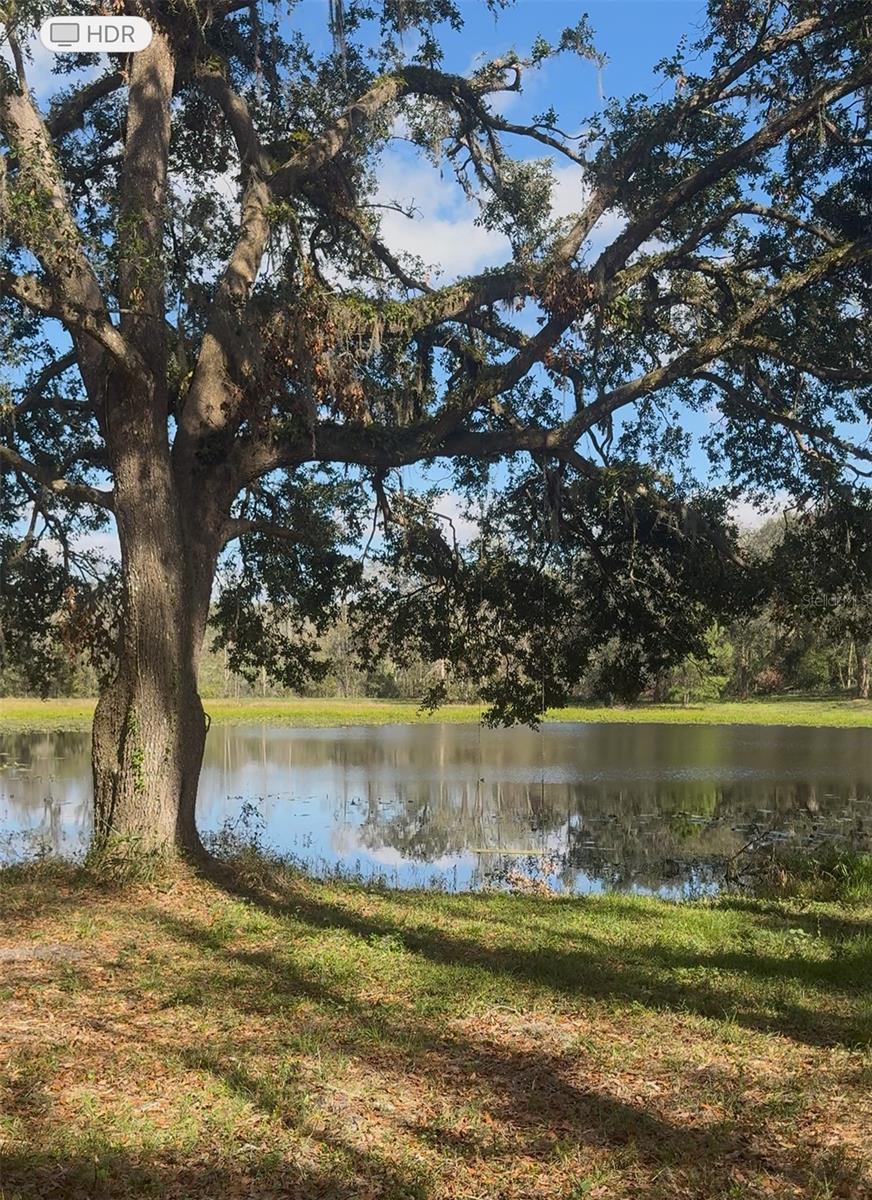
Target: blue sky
[[632, 33]]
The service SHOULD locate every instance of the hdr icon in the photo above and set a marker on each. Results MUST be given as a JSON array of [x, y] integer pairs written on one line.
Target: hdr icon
[[110, 35], [90, 35]]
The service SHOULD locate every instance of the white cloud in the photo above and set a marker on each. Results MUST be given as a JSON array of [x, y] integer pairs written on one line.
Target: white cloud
[[502, 103], [569, 197], [569, 194], [452, 508], [442, 232], [105, 543]]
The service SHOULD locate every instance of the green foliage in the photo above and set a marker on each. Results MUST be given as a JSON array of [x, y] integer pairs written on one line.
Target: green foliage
[[763, 651], [279, 597], [812, 672], [704, 676], [41, 612], [830, 874], [536, 598], [56, 631], [598, 561]]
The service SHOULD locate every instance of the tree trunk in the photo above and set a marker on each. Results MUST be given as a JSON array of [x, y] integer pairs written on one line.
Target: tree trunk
[[863, 673], [149, 728], [149, 735]]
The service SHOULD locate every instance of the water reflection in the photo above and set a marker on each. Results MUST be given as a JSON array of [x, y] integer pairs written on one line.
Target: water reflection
[[649, 807]]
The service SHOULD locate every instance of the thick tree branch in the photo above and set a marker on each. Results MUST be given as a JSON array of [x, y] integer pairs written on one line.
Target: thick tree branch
[[775, 417], [34, 395], [769, 135], [80, 492], [251, 153], [142, 202], [37, 296], [55, 239], [846, 374], [670, 122], [383, 448], [454, 90], [70, 291], [71, 112], [237, 527], [225, 354], [225, 357], [440, 437], [689, 361]]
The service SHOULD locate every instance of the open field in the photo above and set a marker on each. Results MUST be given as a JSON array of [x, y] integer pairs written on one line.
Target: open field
[[294, 1039], [21, 714]]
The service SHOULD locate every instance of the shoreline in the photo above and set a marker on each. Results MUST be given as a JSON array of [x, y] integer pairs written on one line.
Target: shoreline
[[73, 715]]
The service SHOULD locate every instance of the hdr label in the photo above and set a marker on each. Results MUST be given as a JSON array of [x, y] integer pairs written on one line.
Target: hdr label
[[95, 35]]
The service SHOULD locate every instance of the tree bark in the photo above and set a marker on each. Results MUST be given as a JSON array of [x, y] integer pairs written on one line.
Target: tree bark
[[863, 675], [149, 736], [149, 727]]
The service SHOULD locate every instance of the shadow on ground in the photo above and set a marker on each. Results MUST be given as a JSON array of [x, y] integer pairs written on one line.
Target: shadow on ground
[[501, 1104], [657, 976]]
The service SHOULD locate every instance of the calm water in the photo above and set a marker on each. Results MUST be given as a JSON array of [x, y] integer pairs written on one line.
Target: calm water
[[642, 807]]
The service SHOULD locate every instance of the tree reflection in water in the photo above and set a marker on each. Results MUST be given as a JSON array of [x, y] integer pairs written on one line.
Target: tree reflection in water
[[586, 807]]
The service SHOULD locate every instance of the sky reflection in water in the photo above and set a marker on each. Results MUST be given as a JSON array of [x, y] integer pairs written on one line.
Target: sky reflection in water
[[642, 807]]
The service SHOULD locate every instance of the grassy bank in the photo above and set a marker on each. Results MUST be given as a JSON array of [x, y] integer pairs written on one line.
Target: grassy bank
[[313, 1040], [20, 714]]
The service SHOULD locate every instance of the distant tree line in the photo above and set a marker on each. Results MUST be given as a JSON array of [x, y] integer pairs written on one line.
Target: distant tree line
[[803, 623]]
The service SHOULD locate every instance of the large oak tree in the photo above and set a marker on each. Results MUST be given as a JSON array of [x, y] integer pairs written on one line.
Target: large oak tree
[[210, 341]]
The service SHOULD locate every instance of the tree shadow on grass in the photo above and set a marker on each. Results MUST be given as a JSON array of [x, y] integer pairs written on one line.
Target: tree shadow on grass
[[658, 976], [115, 1173], [775, 916], [545, 1101], [39, 891], [540, 1096], [271, 980], [50, 1157], [524, 1095]]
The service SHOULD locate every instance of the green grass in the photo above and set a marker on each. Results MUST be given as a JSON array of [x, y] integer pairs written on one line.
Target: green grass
[[830, 873], [276, 1037], [24, 714]]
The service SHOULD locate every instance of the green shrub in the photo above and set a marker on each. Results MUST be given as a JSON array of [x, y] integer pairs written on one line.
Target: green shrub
[[829, 874]]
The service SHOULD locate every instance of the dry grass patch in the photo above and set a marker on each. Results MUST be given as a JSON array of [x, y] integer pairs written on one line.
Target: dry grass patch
[[325, 1041]]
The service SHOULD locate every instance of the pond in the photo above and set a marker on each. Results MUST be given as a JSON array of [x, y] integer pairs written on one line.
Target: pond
[[585, 807]]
